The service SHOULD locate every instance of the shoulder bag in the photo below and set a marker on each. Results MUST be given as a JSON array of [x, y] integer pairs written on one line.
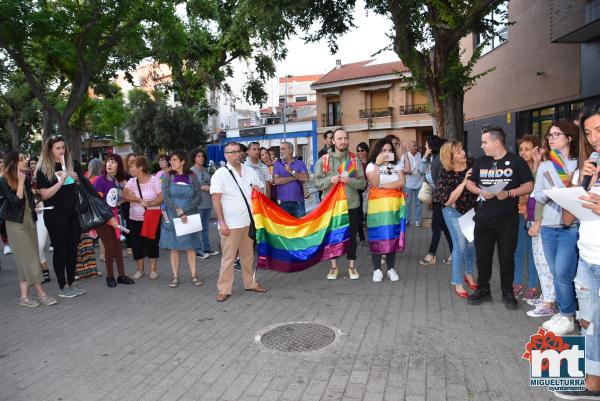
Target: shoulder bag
[[92, 210], [151, 218], [426, 193], [252, 228]]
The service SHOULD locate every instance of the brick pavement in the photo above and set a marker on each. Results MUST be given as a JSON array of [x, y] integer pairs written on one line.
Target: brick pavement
[[410, 340]]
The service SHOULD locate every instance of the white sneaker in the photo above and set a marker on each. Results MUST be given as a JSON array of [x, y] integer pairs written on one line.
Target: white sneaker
[[7, 250], [562, 326], [353, 273], [377, 276], [549, 322], [138, 275], [153, 275], [392, 275]]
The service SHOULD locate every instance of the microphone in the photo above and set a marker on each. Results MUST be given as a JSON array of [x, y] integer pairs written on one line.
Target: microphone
[[595, 159]]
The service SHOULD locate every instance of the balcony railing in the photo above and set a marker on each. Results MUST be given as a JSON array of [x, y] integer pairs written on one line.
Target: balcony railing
[[378, 112], [414, 109], [325, 121]]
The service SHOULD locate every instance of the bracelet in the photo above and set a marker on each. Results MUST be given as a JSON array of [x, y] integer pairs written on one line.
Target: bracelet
[[222, 222]]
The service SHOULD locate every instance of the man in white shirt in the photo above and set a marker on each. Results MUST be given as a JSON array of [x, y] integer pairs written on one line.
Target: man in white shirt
[[414, 181], [226, 186]]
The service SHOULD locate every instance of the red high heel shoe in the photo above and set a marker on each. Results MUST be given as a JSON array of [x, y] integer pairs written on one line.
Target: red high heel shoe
[[463, 295], [471, 286]]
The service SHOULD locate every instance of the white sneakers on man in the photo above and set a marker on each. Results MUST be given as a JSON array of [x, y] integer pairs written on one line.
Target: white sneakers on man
[[559, 325]]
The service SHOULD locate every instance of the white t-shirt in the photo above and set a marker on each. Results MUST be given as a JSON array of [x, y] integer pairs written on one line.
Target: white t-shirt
[[235, 211], [589, 241], [387, 173]]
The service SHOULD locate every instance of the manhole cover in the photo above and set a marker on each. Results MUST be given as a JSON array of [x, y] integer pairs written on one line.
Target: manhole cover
[[298, 337]]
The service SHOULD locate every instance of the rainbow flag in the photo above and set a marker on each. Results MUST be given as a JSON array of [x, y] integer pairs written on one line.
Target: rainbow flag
[[287, 244], [348, 167], [386, 220], [559, 165]]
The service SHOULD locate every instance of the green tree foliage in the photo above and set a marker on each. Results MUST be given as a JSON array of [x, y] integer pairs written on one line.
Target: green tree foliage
[[19, 113], [154, 124], [426, 35], [80, 43]]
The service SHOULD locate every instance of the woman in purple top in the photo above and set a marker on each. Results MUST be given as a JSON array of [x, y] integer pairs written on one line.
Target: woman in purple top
[[181, 194], [108, 186]]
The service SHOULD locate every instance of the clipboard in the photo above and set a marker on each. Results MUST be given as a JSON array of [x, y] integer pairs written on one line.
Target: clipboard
[[193, 225]]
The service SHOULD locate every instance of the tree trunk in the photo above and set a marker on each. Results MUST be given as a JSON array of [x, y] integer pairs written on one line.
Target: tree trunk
[[72, 138], [13, 129]]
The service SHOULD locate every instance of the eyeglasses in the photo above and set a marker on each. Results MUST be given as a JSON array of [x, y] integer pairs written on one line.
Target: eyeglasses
[[233, 151], [554, 135], [362, 150]]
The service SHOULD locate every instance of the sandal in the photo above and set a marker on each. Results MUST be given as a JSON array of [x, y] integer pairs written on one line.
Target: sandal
[[196, 281], [429, 259], [174, 282]]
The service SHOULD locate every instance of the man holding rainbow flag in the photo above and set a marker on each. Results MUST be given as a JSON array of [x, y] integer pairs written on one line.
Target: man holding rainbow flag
[[340, 165]]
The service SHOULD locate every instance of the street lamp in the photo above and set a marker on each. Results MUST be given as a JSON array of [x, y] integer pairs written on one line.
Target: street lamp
[[285, 107]]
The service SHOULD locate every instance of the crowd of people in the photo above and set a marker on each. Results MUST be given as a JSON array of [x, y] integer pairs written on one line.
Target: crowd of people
[[546, 256]]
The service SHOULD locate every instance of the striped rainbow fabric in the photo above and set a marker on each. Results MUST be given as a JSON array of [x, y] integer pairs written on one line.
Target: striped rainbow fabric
[[386, 220], [287, 244]]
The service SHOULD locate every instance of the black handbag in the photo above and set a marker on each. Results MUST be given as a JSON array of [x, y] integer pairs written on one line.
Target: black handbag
[[252, 228], [91, 210]]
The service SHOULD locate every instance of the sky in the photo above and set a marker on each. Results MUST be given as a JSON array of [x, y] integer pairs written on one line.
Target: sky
[[367, 38]]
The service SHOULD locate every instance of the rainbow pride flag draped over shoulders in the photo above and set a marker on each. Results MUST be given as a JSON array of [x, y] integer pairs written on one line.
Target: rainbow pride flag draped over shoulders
[[288, 244], [386, 220]]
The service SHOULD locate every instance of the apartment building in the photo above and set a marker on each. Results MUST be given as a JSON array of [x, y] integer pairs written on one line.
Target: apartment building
[[371, 100], [547, 64]]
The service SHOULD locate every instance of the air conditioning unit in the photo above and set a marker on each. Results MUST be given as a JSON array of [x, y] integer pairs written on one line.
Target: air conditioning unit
[[213, 137]]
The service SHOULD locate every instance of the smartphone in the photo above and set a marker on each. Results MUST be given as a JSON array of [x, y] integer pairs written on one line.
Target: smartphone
[[390, 157]]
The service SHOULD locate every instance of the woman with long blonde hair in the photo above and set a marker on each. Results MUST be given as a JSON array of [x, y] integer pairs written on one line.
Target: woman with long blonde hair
[[56, 178]]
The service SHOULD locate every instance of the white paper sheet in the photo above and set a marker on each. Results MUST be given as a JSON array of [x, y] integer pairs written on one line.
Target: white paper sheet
[[568, 198], [496, 188], [193, 225], [467, 225]]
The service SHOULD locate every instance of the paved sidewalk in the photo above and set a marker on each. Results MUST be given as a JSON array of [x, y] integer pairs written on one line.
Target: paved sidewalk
[[410, 340]]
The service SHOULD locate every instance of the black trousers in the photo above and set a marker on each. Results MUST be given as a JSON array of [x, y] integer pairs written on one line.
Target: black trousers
[[63, 228], [504, 233], [355, 221], [438, 225], [390, 260], [361, 228], [142, 246]]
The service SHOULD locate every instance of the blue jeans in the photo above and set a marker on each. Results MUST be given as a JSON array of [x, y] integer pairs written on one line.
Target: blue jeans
[[205, 219], [463, 251], [525, 251], [411, 195], [587, 284], [295, 208], [560, 247]]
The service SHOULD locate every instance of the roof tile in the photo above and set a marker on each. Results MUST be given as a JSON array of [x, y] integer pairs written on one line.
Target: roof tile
[[361, 69]]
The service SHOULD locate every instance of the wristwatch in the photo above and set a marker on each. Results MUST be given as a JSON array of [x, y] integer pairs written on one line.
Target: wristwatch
[[293, 172]]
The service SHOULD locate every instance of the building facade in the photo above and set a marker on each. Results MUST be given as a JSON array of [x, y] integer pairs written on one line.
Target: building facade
[[546, 68], [371, 100]]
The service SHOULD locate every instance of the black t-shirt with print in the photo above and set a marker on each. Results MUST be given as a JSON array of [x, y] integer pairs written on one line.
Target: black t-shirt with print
[[511, 169]]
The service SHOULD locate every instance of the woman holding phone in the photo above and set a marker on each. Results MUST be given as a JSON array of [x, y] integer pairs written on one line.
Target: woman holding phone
[[18, 212]]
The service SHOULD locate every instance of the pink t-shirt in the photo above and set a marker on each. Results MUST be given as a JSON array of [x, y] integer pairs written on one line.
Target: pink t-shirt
[[150, 191]]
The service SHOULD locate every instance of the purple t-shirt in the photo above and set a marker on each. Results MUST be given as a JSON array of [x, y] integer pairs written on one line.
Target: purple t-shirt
[[182, 178], [292, 191], [107, 189]]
